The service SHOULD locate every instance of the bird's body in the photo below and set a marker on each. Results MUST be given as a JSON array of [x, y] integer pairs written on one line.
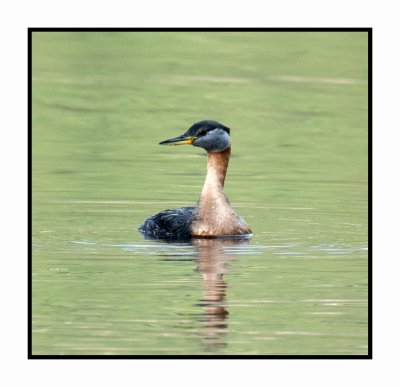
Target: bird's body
[[213, 216], [169, 224]]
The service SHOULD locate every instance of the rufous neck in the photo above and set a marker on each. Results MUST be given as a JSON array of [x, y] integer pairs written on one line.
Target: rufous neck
[[217, 165]]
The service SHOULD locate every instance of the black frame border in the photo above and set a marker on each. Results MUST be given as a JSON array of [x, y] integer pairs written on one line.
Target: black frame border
[[31, 30]]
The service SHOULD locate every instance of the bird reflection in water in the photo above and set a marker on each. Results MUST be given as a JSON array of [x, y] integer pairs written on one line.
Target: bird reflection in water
[[212, 264]]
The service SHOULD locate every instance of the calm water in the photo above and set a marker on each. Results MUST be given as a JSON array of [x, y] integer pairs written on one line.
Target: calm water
[[296, 105]]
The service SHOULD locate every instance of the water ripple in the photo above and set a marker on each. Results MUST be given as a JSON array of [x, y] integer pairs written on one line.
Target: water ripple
[[230, 248]]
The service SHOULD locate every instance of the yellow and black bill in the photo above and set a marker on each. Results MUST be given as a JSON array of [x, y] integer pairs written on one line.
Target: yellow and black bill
[[180, 140]]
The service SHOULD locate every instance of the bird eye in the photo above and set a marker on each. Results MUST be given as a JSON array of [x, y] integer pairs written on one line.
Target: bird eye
[[201, 132]]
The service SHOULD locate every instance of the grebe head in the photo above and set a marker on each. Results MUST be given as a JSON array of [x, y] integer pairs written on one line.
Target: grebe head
[[209, 135]]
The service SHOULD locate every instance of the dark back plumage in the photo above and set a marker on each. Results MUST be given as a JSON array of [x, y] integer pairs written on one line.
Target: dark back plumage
[[172, 225]]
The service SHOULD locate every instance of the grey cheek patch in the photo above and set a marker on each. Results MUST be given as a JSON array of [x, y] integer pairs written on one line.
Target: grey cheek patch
[[216, 140]]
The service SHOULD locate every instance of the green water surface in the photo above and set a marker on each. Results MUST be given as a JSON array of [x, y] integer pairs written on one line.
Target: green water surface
[[296, 103]]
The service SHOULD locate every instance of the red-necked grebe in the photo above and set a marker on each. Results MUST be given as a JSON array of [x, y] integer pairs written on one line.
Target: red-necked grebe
[[213, 216]]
